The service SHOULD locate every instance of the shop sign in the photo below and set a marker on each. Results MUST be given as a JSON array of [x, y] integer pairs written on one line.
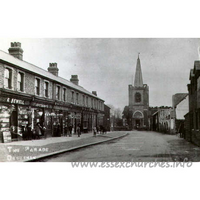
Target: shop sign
[[75, 116], [15, 101], [61, 108], [53, 115], [42, 105], [12, 100]]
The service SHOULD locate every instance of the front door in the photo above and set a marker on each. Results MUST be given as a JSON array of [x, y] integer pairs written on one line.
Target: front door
[[137, 123]]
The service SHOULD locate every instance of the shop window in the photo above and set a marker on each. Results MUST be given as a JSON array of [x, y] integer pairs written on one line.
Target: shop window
[[58, 92], [37, 86], [20, 81], [46, 89], [137, 97], [64, 94], [77, 98], [8, 78]]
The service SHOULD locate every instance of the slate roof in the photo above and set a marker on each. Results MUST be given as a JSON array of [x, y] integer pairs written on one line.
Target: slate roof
[[177, 98], [41, 72]]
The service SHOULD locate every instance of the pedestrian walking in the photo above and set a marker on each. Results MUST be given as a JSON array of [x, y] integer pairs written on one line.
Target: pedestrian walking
[[23, 132], [58, 130], [78, 130], [38, 132], [94, 131], [66, 130], [30, 133], [70, 130], [44, 131], [54, 129]]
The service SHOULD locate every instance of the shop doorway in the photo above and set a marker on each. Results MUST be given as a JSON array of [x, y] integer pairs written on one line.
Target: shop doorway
[[13, 125]]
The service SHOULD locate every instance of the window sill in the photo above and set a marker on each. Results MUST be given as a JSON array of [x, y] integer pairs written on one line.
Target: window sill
[[21, 91], [8, 88]]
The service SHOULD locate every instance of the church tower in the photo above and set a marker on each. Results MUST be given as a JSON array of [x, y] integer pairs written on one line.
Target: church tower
[[139, 100]]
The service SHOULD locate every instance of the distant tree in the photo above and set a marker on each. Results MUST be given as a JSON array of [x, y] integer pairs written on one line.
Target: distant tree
[[116, 116], [112, 110], [118, 113], [127, 114]]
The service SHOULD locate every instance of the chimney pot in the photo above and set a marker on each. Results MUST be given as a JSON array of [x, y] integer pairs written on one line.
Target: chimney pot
[[94, 93], [74, 79], [53, 68], [16, 50]]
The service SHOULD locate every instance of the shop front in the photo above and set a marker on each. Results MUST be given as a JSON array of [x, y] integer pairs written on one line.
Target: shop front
[[14, 117], [40, 112], [75, 120], [60, 120]]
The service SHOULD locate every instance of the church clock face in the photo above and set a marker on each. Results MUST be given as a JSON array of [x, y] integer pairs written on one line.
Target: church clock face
[[137, 97]]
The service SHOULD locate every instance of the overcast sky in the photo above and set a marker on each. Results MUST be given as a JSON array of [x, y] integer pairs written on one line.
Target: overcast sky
[[108, 65]]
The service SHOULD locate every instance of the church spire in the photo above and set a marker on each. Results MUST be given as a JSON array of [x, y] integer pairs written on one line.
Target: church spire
[[138, 74]]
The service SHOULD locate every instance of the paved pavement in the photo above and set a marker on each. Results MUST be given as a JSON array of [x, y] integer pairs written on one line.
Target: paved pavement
[[27, 150], [137, 146]]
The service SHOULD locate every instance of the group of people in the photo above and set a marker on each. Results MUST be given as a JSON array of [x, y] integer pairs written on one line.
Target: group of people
[[99, 130], [69, 128], [28, 133], [40, 131]]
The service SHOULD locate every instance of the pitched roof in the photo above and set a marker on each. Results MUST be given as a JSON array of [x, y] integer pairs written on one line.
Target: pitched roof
[[39, 71], [177, 98]]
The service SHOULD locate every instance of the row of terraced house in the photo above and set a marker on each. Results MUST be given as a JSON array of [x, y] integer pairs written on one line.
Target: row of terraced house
[[30, 95]]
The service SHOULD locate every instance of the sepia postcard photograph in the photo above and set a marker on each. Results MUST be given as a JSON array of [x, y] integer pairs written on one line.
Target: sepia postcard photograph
[[100, 100]]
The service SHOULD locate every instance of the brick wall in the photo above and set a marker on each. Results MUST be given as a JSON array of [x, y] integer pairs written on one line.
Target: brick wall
[[29, 83], [29, 86]]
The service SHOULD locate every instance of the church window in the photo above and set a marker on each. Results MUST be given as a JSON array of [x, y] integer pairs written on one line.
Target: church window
[[137, 97]]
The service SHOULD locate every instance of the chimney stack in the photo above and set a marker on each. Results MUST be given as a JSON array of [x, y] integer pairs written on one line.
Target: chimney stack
[[53, 68], [94, 93], [74, 79], [16, 50]]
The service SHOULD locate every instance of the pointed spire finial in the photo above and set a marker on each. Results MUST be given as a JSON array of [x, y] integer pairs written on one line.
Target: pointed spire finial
[[138, 74], [138, 54]]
